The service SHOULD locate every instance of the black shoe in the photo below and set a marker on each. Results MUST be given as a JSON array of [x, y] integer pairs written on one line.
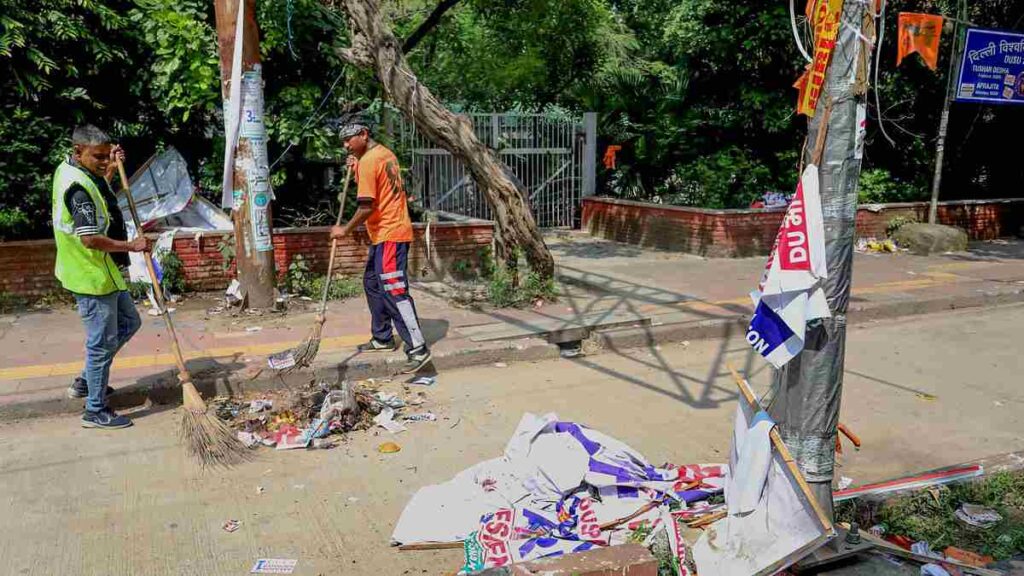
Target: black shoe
[[105, 418], [375, 345], [416, 361], [79, 389]]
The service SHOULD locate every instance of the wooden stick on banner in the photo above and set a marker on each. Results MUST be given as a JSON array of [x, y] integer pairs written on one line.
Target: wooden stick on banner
[[779, 445], [819, 145]]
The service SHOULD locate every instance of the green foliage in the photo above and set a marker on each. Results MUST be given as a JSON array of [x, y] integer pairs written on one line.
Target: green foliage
[[185, 79], [138, 290], [877, 186], [300, 280], [12, 222], [173, 280], [897, 223], [11, 302], [502, 291], [342, 288], [930, 516], [228, 250], [698, 93]]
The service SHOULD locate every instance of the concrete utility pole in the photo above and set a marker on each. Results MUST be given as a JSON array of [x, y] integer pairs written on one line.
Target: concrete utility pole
[[951, 82], [251, 195], [807, 390]]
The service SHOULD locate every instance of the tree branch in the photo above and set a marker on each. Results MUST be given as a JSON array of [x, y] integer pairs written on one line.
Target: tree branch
[[429, 24]]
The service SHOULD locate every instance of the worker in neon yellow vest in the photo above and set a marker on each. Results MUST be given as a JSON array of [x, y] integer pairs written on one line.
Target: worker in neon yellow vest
[[92, 250]]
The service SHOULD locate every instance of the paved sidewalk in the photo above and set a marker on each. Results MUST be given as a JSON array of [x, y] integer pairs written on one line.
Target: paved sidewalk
[[633, 296]]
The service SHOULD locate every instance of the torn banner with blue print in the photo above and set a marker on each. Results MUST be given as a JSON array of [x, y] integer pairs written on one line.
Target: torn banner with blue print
[[791, 291], [559, 488]]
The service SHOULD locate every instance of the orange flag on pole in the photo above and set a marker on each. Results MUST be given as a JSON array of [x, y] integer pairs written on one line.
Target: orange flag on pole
[[919, 33]]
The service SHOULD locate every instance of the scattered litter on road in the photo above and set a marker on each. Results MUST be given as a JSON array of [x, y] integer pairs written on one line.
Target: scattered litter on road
[[926, 396], [570, 484], [257, 406], [874, 246], [422, 417], [919, 481], [260, 489], [423, 381], [232, 525], [323, 444], [967, 557], [386, 420], [353, 499], [845, 482], [388, 448], [390, 400], [977, 516], [998, 404], [249, 439], [452, 427], [254, 329], [274, 566], [299, 486], [923, 548], [281, 360], [933, 570], [877, 530], [500, 365]]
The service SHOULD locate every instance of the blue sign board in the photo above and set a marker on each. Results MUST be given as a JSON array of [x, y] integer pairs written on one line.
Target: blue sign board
[[992, 69]]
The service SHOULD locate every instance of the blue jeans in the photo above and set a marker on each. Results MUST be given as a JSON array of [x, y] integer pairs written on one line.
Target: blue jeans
[[110, 322]]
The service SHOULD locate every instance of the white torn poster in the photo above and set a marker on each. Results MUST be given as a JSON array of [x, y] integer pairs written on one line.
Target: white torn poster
[[779, 531], [790, 293]]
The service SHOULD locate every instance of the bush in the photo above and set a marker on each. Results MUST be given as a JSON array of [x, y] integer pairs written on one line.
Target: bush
[[501, 292], [877, 186], [173, 281], [302, 281], [929, 515]]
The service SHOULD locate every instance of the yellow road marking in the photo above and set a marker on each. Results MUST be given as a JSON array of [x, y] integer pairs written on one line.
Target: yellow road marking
[[151, 360], [935, 277]]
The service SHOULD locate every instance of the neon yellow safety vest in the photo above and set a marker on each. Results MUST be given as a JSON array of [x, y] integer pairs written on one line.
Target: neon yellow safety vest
[[79, 269]]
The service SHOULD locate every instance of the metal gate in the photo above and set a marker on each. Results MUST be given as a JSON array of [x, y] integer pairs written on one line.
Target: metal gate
[[553, 157]]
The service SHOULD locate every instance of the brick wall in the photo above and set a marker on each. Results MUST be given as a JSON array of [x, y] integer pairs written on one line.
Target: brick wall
[[737, 233], [26, 268]]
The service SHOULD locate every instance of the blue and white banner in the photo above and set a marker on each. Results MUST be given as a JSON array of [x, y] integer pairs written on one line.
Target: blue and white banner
[[790, 293]]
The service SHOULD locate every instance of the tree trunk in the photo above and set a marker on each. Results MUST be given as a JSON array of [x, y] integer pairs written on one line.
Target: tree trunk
[[375, 47]]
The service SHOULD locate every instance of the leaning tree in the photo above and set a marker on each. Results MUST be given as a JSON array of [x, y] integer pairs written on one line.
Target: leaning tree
[[374, 47]]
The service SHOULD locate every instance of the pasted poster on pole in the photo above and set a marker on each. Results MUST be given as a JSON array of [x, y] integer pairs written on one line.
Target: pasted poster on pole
[[252, 104], [992, 68], [259, 192]]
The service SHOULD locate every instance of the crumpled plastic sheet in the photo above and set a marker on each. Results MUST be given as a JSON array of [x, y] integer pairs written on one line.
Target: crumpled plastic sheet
[[557, 483]]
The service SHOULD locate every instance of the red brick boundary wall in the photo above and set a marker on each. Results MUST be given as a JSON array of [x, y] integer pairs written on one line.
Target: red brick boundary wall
[[737, 233], [26, 267]]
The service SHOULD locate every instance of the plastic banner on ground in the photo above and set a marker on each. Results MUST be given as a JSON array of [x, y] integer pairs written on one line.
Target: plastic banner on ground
[[790, 293], [559, 488], [992, 69]]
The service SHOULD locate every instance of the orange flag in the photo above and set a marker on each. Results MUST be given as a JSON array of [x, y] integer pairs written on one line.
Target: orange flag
[[919, 33]]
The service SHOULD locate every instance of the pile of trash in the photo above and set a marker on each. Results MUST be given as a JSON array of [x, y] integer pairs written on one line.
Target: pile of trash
[[559, 488], [875, 246], [291, 419]]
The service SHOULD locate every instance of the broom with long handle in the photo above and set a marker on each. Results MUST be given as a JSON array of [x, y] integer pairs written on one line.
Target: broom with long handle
[[206, 437], [306, 352]]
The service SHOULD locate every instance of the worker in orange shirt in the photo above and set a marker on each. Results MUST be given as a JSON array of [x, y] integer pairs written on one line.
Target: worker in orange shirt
[[383, 207]]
